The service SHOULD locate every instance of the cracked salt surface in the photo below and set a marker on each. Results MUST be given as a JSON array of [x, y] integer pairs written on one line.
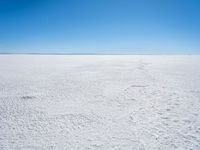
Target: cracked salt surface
[[99, 102]]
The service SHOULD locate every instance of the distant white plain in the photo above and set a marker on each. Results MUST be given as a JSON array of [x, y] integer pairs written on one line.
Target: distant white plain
[[78, 102]]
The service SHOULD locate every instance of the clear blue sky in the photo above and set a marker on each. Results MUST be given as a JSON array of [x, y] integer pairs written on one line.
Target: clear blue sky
[[100, 26]]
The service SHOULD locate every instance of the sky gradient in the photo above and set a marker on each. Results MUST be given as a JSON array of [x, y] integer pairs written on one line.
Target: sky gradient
[[100, 26]]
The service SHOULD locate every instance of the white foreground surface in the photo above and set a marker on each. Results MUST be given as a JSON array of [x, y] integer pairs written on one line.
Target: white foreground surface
[[99, 102]]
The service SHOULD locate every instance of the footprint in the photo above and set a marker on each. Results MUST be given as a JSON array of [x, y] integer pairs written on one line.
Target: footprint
[[138, 85]]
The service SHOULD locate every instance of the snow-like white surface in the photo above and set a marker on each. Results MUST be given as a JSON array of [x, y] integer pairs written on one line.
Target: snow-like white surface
[[99, 102]]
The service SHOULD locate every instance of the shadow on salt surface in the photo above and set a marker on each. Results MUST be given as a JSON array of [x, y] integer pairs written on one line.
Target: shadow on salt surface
[[28, 97], [29, 148]]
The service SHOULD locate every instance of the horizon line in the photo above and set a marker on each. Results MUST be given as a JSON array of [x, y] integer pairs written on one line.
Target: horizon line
[[51, 53]]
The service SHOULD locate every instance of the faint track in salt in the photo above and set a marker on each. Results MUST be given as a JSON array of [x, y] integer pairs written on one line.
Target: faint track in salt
[[162, 116]]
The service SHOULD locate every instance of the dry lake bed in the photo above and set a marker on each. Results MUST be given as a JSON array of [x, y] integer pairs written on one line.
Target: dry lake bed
[[99, 102]]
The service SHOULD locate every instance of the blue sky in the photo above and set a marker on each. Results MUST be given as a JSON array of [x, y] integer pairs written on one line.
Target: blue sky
[[100, 26]]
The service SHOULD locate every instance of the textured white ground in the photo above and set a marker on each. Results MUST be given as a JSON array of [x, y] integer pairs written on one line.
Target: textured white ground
[[99, 102]]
